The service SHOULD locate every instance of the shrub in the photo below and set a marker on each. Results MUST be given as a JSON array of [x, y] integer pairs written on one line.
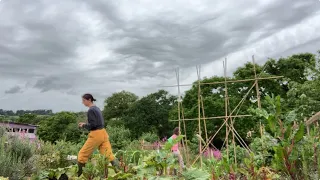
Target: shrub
[[119, 136], [32, 165], [149, 137], [21, 147], [11, 164], [194, 145], [134, 145]]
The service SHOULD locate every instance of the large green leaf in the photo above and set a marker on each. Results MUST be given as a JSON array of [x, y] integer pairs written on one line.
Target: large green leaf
[[288, 132], [278, 106], [291, 117], [169, 145], [272, 123], [299, 134], [278, 157]]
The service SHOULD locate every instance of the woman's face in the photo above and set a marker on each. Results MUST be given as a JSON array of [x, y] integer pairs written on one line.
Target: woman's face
[[86, 102]]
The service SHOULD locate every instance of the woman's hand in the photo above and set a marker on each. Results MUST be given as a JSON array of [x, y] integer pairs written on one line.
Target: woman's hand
[[81, 124]]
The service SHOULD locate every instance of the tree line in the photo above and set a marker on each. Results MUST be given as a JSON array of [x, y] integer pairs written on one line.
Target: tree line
[[22, 112], [132, 117]]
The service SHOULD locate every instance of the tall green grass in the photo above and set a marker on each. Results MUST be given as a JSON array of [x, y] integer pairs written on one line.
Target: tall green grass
[[11, 163]]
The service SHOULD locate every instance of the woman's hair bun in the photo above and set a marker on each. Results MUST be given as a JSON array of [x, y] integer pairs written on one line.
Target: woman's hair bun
[[89, 97]]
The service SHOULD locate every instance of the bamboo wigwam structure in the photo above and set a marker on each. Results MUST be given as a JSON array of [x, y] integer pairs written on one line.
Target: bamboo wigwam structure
[[229, 118]]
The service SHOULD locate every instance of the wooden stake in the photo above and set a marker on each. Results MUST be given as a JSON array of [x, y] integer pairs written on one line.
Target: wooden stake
[[185, 132], [204, 123], [184, 141], [142, 144], [257, 90], [204, 119], [233, 136], [230, 81], [226, 106], [199, 114], [308, 128], [313, 119], [177, 76], [256, 81], [216, 117]]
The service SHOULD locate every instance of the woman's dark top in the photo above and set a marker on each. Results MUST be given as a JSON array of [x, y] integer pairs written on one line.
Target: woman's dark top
[[95, 119]]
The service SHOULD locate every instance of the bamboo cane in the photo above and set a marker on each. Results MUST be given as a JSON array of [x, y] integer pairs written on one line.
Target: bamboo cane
[[226, 106], [199, 114]]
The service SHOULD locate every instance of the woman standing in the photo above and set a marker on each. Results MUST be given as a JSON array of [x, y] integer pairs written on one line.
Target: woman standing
[[175, 147], [98, 136]]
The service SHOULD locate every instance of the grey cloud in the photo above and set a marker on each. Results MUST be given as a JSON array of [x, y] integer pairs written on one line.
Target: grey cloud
[[310, 46], [40, 39], [184, 44], [108, 10], [277, 16], [45, 43], [14, 90], [52, 83]]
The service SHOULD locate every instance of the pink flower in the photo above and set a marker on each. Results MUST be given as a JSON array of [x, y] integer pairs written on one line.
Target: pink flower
[[217, 154], [164, 139], [212, 152]]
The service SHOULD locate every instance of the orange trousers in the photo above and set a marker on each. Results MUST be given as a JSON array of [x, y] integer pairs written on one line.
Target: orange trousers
[[96, 139]]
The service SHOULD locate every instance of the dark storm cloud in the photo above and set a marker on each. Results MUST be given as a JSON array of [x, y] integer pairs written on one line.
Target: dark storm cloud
[[14, 90], [185, 44], [51, 83], [108, 10]]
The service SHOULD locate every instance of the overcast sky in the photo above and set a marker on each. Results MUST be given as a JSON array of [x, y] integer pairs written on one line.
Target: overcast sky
[[51, 52]]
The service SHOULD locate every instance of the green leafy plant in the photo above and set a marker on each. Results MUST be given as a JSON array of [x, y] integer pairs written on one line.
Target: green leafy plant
[[70, 171], [55, 155], [252, 171], [215, 167], [198, 174], [263, 149], [288, 135]]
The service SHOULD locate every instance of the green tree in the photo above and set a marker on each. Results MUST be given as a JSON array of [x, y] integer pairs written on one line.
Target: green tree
[[61, 126], [28, 119], [294, 68], [117, 104], [150, 114], [266, 86], [304, 98]]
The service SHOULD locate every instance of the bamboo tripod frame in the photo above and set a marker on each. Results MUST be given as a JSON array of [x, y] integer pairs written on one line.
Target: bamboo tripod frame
[[229, 115]]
